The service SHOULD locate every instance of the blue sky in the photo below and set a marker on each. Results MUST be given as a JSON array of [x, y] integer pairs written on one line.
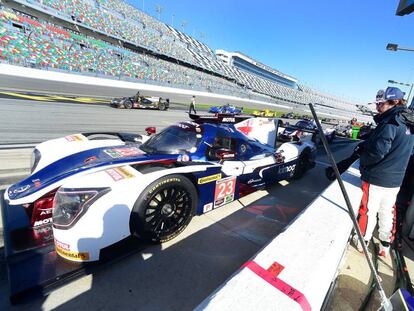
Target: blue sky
[[334, 46]]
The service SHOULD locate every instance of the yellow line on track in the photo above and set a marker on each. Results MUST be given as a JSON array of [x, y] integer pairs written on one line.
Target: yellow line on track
[[88, 100], [42, 98]]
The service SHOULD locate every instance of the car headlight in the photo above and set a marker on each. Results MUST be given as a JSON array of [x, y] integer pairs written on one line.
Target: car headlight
[[34, 160], [70, 204]]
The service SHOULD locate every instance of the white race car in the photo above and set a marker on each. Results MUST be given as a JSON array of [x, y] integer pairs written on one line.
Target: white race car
[[104, 191]]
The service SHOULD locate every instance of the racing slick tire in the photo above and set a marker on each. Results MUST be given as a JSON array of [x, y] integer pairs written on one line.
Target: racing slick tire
[[162, 106], [303, 164], [164, 209], [128, 104]]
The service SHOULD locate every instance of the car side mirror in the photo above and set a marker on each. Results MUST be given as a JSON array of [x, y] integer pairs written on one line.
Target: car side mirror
[[150, 130]]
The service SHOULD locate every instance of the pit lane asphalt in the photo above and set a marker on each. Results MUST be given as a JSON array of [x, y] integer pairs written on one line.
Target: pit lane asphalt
[[181, 273]]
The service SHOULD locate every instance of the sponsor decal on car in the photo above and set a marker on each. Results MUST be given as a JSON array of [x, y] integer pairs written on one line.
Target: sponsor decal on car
[[207, 179], [45, 211], [224, 192], [75, 256], [251, 181], [62, 245], [228, 155], [63, 250], [243, 148], [286, 169], [163, 183], [72, 138], [208, 207], [19, 190], [123, 152], [119, 173], [183, 158], [42, 222], [37, 183]]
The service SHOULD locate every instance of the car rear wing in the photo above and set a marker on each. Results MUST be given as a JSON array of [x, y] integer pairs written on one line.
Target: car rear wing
[[219, 118]]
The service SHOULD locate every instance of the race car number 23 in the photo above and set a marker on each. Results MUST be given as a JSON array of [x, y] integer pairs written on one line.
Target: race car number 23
[[224, 192]]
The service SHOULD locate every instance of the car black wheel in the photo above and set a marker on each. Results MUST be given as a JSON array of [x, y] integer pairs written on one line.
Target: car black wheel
[[128, 104], [164, 209], [161, 106], [302, 165]]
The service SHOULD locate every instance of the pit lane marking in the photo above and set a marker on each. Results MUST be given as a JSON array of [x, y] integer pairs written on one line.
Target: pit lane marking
[[271, 276]]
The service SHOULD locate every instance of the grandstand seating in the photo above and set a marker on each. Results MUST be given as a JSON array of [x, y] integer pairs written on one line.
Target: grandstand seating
[[29, 41], [37, 44]]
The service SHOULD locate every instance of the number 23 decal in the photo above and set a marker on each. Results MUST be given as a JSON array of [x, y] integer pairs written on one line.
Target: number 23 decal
[[225, 187]]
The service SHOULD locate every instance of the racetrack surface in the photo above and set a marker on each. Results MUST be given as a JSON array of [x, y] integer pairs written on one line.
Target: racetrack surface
[[33, 121], [181, 273], [23, 121]]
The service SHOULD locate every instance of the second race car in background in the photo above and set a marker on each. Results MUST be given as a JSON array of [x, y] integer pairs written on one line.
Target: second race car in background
[[148, 186], [229, 109], [145, 102], [304, 129]]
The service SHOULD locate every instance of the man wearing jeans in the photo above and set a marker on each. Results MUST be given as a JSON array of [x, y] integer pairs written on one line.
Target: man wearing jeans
[[383, 161]]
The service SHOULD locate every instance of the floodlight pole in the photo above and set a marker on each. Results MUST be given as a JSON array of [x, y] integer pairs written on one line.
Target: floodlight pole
[[394, 47]]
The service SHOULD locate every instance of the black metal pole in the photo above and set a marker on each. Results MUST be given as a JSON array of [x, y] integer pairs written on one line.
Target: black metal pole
[[385, 301]]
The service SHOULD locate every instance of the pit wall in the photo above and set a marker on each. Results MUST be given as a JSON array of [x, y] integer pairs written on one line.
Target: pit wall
[[296, 269]]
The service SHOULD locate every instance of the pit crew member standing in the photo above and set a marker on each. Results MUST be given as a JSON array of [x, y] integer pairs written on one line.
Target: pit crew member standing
[[192, 105], [383, 161]]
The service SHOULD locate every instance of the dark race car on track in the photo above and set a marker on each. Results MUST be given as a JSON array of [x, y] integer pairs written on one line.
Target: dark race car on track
[[229, 109], [143, 102], [289, 115], [98, 189], [302, 129]]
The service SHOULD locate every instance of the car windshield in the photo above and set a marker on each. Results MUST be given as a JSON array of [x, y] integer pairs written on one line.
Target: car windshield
[[173, 140]]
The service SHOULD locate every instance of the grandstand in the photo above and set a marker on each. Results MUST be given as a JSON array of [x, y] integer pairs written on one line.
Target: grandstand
[[246, 63], [112, 39]]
